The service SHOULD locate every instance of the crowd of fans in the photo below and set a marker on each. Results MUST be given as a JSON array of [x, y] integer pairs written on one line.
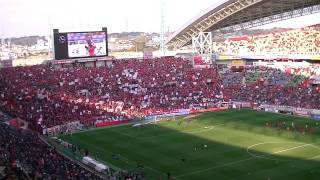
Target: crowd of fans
[[265, 85], [46, 97], [24, 156], [304, 41]]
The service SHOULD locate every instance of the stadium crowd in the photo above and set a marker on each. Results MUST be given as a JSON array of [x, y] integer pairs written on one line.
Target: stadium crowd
[[46, 97], [24, 155], [304, 41], [265, 85]]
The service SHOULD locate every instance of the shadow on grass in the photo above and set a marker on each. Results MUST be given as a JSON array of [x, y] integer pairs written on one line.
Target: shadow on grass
[[237, 147]]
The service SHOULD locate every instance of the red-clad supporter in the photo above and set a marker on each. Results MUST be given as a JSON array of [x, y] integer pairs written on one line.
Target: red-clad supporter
[[132, 88], [25, 155], [303, 41], [265, 85], [75, 97], [46, 97]]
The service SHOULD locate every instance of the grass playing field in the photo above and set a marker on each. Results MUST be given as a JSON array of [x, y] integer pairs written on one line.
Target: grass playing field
[[233, 144]]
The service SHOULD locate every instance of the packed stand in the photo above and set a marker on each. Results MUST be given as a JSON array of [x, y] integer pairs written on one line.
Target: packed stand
[[24, 155], [265, 85], [133, 88], [46, 97], [304, 41]]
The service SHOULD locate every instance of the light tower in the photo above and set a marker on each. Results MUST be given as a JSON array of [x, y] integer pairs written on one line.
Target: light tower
[[2, 37], [127, 25], [162, 33]]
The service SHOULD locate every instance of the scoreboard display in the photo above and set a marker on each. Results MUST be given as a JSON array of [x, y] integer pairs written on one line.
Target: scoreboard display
[[72, 45]]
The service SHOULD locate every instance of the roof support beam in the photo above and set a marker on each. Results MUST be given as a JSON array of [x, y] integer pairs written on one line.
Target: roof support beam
[[238, 13]]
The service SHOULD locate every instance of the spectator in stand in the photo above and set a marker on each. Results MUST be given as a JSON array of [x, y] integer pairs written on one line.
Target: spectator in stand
[[24, 154], [46, 97], [304, 41], [131, 88], [265, 85]]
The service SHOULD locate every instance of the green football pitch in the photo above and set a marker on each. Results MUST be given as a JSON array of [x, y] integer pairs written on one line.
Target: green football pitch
[[232, 144]]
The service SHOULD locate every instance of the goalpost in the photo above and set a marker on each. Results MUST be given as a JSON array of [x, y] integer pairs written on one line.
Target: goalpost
[[156, 118]]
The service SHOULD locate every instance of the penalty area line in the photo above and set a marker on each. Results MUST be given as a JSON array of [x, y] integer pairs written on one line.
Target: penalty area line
[[239, 161]]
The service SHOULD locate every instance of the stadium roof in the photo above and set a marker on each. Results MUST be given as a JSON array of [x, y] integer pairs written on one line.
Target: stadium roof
[[240, 14]]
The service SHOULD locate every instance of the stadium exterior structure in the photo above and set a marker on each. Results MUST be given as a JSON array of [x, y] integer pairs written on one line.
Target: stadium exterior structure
[[232, 15]]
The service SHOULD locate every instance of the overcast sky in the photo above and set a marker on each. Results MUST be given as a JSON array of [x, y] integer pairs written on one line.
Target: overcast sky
[[39, 17]]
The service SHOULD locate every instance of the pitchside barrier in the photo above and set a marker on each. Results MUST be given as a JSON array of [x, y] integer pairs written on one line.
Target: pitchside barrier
[[177, 112], [98, 166], [110, 123], [311, 113], [157, 116], [315, 117], [69, 127]]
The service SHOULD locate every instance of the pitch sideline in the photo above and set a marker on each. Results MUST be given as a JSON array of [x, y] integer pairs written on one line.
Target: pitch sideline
[[240, 161]]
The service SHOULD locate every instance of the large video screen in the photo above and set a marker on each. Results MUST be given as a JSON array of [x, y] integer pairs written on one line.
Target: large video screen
[[72, 45], [86, 44]]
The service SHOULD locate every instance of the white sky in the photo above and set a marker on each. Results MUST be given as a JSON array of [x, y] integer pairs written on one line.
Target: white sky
[[39, 17]]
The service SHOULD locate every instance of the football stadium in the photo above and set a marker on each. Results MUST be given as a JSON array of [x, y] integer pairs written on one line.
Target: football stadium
[[218, 105]]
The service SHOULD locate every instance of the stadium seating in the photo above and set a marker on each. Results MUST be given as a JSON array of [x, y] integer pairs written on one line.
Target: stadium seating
[[46, 97], [304, 41], [23, 154], [272, 86], [131, 88]]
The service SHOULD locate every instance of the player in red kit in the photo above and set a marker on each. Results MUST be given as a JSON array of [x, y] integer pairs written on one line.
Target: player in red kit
[[90, 47]]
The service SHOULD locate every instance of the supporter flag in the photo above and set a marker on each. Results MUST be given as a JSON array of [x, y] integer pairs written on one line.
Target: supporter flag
[[288, 70], [40, 120], [202, 61], [305, 83], [14, 123]]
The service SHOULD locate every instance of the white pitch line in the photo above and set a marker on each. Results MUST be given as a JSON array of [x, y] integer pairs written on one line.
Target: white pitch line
[[215, 167], [191, 131], [297, 147], [315, 157], [239, 161], [264, 156], [108, 151]]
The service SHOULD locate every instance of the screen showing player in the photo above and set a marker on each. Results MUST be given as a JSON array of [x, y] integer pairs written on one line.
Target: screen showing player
[[87, 44]]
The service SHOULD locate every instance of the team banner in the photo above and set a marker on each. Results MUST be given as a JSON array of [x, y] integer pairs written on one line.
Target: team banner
[[302, 112], [238, 62], [110, 123], [315, 111], [175, 112], [202, 61], [194, 111], [315, 117], [226, 57], [275, 57], [147, 55], [315, 57], [5, 63], [257, 56], [52, 131]]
